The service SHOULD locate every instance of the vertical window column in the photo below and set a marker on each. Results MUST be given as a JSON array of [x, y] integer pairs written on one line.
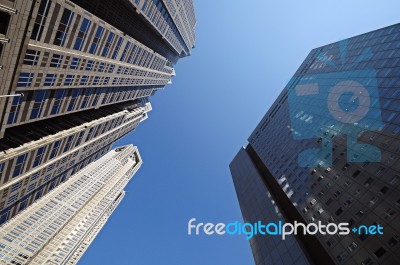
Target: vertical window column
[[82, 34], [19, 165], [38, 104], [96, 39], [64, 27], [40, 19]]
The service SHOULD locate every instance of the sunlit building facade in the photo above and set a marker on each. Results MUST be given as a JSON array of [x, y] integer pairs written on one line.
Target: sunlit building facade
[[75, 77], [59, 227], [57, 149]]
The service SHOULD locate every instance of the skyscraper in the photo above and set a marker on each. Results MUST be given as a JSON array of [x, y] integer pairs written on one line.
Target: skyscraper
[[76, 76], [58, 148], [327, 151], [59, 227]]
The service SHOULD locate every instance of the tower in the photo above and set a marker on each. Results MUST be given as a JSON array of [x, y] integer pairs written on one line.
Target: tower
[[327, 150], [59, 227], [75, 77]]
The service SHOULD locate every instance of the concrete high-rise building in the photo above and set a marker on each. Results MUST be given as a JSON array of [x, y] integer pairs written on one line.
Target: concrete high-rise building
[[54, 149], [75, 77], [67, 56], [328, 151], [59, 227]]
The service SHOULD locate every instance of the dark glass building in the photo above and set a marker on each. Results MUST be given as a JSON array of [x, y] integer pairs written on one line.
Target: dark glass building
[[328, 150]]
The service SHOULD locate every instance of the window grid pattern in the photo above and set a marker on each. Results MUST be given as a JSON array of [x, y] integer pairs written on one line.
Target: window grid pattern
[[46, 176], [74, 203], [357, 193]]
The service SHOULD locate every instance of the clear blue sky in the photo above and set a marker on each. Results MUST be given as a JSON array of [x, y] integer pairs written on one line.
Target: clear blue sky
[[245, 53]]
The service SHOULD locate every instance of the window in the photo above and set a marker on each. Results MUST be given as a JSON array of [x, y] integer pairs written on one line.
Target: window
[[145, 5], [99, 130], [341, 257], [16, 186], [394, 240], [352, 246], [356, 173], [64, 27], [31, 187], [89, 65], [56, 60], [54, 150], [330, 242], [89, 134], [96, 98], [31, 57], [78, 141], [85, 100], [127, 46], [68, 80], [22, 205], [4, 21], [1, 169], [59, 96], [345, 167], [101, 67], [395, 179], [50, 79], [117, 47], [84, 80], [368, 182], [75, 63], [138, 56], [106, 95], [25, 79], [379, 170], [74, 97], [14, 111], [384, 190], [12, 198], [380, 252], [68, 143], [39, 156], [82, 34], [35, 175], [339, 211], [19, 165], [40, 19], [96, 39], [129, 60], [38, 194], [108, 43], [389, 213], [96, 80], [39, 102]]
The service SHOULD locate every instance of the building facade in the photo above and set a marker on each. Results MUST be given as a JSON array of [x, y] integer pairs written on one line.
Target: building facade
[[254, 195], [328, 151], [59, 227], [57, 148], [75, 77], [69, 60]]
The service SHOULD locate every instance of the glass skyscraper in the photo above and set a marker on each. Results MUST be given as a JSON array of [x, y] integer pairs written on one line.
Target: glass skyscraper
[[75, 77], [328, 151]]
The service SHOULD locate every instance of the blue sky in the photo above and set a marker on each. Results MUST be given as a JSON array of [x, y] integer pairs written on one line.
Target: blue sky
[[245, 53]]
